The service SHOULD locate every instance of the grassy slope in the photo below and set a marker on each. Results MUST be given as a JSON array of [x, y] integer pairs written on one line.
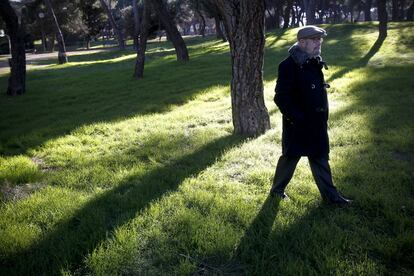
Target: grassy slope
[[146, 178]]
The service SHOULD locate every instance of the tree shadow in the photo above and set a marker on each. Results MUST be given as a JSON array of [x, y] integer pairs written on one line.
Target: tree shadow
[[360, 63], [64, 99], [279, 35], [367, 237], [252, 246], [340, 35], [68, 244]]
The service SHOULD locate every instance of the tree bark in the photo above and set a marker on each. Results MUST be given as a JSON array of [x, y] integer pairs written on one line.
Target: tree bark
[[383, 18], [171, 29], [244, 24], [118, 32], [142, 45], [62, 58], [17, 78]]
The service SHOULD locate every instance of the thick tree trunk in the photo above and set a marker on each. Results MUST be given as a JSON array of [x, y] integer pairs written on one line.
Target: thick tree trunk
[[142, 45], [382, 18], [62, 58], [286, 15], [367, 10], [171, 29], [219, 31], [118, 32], [244, 23], [17, 78]]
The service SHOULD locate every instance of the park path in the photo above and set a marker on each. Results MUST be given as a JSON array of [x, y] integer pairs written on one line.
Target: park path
[[33, 58]]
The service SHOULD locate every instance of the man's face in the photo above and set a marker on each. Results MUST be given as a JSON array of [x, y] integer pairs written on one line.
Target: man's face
[[311, 46]]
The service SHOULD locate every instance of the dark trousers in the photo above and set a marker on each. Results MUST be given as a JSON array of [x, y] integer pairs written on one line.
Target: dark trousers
[[321, 172]]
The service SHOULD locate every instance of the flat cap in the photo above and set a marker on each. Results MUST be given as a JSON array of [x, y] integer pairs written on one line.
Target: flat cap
[[311, 32]]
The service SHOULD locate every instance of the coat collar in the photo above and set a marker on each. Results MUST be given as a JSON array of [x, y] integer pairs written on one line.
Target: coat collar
[[301, 57]]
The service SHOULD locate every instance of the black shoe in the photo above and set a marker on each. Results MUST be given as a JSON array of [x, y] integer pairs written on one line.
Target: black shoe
[[282, 196], [340, 200]]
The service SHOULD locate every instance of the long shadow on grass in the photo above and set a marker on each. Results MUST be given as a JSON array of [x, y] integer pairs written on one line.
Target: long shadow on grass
[[252, 246], [343, 43], [60, 100], [67, 245], [369, 237], [303, 247], [360, 63]]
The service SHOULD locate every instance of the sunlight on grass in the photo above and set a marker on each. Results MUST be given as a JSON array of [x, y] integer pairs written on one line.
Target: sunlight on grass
[[146, 178], [18, 169]]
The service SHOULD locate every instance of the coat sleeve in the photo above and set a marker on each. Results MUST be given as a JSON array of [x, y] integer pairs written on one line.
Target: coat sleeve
[[284, 98]]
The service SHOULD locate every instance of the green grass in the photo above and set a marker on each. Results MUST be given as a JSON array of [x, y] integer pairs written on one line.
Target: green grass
[[145, 177]]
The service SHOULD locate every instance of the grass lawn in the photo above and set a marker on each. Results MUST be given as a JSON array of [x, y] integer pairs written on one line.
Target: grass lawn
[[102, 174]]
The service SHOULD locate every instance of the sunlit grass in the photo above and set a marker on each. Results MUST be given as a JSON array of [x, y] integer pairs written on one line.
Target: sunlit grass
[[146, 178]]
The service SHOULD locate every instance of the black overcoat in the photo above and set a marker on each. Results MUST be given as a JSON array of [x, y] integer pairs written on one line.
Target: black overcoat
[[302, 99]]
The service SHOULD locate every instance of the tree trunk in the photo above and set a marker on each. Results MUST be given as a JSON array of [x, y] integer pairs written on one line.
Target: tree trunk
[[17, 78], [219, 31], [142, 45], [382, 18], [394, 11], [118, 32], [310, 11], [88, 42], [410, 12], [171, 29], [52, 43], [62, 58], [244, 23], [42, 31], [401, 14], [202, 29], [286, 15], [272, 20], [137, 15], [398, 10], [367, 10], [44, 46]]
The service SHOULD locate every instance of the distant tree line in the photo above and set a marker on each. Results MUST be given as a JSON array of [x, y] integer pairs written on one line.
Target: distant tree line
[[87, 20], [240, 22]]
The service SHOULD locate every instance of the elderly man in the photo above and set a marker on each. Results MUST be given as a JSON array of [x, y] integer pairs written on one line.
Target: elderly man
[[302, 99]]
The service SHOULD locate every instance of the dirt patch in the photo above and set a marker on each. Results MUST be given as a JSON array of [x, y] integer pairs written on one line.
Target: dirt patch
[[15, 193], [42, 165]]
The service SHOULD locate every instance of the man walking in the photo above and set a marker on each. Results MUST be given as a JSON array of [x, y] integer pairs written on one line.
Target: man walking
[[302, 99]]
